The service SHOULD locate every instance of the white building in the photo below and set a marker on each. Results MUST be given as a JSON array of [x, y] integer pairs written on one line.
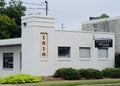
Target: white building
[[111, 24], [42, 49]]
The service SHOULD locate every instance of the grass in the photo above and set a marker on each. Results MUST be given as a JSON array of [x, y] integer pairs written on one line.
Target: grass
[[80, 82]]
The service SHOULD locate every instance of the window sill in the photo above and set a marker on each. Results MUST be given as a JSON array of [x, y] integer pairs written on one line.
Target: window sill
[[85, 59], [103, 59], [44, 60], [64, 59], [8, 69]]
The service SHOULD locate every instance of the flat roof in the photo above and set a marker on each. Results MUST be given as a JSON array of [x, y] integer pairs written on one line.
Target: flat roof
[[101, 20], [11, 42], [89, 32]]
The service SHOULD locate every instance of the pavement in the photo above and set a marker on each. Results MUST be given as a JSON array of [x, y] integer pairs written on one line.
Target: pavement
[[77, 85]]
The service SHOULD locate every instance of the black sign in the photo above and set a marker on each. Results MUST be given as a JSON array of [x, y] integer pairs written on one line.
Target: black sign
[[104, 43]]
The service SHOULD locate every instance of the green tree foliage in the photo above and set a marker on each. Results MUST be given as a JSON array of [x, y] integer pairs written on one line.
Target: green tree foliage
[[8, 28], [14, 12], [103, 16], [2, 5]]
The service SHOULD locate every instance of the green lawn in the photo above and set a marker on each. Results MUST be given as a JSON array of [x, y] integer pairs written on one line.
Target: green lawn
[[80, 82]]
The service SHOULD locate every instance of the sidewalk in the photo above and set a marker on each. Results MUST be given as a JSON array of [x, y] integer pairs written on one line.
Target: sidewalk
[[102, 85]]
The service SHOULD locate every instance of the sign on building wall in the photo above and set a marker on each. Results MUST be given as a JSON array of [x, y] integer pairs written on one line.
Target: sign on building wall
[[104, 43], [44, 45]]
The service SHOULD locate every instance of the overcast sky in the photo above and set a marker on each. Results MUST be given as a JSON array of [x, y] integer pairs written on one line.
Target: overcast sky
[[73, 12]]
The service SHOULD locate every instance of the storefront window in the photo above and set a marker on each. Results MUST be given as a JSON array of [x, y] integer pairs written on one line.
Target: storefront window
[[64, 52]]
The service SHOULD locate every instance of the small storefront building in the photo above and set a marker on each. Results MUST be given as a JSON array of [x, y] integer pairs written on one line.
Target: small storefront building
[[42, 49]]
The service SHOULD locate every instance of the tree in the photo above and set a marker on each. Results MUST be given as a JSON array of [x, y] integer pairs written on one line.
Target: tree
[[15, 10], [8, 28], [13, 14], [103, 16], [2, 5]]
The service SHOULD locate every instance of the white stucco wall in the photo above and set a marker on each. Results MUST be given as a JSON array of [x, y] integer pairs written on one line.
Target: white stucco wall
[[30, 46], [32, 62], [82, 39], [16, 60]]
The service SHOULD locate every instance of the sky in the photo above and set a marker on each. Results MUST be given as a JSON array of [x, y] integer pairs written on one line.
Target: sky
[[72, 12]]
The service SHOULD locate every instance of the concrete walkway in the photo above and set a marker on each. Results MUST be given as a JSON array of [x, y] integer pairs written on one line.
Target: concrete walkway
[[102, 85]]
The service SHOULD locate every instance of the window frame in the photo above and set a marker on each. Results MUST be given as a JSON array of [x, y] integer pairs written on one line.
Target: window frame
[[8, 65], [66, 52], [107, 54], [95, 26], [89, 53]]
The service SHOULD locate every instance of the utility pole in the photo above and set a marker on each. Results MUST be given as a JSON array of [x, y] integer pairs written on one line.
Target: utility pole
[[46, 7], [62, 26]]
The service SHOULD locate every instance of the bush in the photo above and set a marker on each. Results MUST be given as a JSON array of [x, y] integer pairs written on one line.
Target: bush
[[90, 73], [59, 73], [67, 73], [117, 60], [111, 72], [19, 79]]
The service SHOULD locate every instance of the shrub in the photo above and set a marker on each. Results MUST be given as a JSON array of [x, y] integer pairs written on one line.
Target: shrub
[[111, 72], [19, 79], [117, 60], [90, 73], [83, 73], [67, 73], [59, 73]]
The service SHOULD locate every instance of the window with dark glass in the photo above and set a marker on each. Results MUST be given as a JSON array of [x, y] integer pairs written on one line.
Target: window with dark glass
[[64, 52], [7, 60]]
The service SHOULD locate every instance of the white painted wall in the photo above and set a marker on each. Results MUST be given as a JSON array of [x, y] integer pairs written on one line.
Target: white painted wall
[[16, 67], [30, 44], [82, 39], [33, 64]]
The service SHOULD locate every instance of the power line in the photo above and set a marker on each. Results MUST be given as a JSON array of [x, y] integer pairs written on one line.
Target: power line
[[42, 3], [36, 8], [34, 3]]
